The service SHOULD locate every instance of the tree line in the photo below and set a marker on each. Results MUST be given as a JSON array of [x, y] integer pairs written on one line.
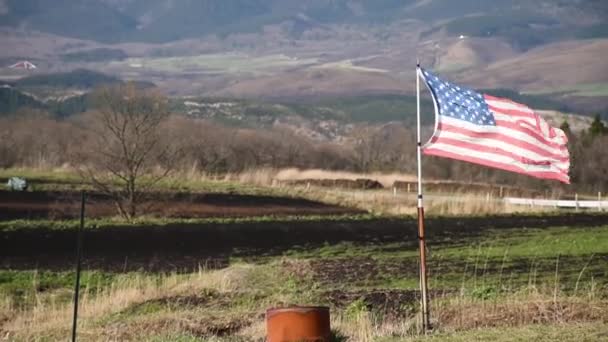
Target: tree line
[[131, 136]]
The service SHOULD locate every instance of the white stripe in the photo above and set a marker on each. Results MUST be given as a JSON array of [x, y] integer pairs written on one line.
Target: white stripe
[[500, 144], [492, 157], [513, 119], [519, 135], [560, 136]]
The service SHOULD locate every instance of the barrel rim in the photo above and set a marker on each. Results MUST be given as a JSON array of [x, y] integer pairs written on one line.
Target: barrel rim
[[297, 309]]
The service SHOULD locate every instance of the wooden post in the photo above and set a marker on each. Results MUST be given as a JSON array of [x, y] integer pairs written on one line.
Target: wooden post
[[576, 201], [599, 201]]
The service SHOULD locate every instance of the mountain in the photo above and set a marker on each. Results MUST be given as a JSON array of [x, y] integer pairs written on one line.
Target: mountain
[[524, 23], [293, 49]]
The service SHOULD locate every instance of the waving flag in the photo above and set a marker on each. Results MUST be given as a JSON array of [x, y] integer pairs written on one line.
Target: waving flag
[[494, 132]]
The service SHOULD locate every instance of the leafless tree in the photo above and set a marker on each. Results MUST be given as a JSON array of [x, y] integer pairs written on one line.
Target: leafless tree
[[127, 155]]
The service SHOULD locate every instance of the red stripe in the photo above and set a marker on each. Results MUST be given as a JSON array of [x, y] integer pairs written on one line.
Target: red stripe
[[538, 174], [493, 150], [537, 135], [500, 137]]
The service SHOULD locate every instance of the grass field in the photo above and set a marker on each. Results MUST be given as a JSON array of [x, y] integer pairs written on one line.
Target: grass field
[[508, 277], [523, 282], [229, 63]]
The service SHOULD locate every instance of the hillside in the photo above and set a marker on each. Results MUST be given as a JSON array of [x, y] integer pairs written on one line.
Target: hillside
[[61, 94], [162, 21], [537, 69], [12, 100]]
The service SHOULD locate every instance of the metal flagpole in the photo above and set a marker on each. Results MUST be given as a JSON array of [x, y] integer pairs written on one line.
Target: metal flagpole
[[424, 301], [78, 263]]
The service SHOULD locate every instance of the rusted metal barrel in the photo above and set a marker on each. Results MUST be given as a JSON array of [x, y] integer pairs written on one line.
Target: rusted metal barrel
[[298, 323]]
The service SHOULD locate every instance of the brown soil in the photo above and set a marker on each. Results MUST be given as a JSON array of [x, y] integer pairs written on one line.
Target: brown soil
[[187, 246], [391, 304], [65, 204]]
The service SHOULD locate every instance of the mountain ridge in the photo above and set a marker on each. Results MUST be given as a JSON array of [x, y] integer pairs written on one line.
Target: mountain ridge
[[161, 20]]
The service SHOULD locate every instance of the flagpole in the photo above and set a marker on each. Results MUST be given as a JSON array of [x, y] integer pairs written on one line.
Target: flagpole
[[78, 265], [424, 301]]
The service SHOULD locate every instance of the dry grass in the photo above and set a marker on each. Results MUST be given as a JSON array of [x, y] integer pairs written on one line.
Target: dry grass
[[518, 309], [270, 176], [53, 320], [119, 312], [454, 314], [387, 202], [386, 179]]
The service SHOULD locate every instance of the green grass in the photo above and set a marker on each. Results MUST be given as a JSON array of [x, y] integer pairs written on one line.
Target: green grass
[[535, 243], [150, 223], [229, 63], [63, 179], [26, 288], [502, 259], [484, 268], [41, 175]]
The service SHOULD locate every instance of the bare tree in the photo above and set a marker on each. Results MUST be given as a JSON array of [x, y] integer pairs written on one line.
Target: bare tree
[[127, 156]]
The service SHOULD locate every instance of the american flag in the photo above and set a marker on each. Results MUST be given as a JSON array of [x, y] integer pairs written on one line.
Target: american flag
[[494, 132]]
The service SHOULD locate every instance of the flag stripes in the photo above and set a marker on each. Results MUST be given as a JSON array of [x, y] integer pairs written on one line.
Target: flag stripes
[[494, 132]]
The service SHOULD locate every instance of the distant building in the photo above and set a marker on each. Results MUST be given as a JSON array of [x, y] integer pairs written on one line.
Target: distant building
[[23, 65]]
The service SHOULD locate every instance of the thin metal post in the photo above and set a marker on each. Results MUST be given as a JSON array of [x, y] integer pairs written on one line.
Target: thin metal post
[[78, 265], [599, 201], [424, 302]]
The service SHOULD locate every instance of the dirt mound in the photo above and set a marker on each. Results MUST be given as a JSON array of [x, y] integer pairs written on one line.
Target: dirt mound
[[360, 183], [358, 270], [208, 326]]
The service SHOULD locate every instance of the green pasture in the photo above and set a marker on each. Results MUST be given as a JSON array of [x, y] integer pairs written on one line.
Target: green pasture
[[491, 262], [229, 63], [482, 267]]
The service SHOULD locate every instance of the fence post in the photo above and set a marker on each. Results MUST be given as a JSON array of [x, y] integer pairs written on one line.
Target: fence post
[[599, 201], [394, 191], [408, 187], [500, 195], [487, 197], [308, 186], [576, 201]]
